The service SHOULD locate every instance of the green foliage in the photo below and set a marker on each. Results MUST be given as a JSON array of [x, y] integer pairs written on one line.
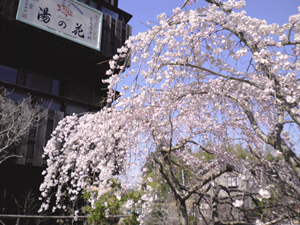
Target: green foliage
[[109, 204], [136, 197], [192, 220], [239, 151], [206, 156], [158, 182], [131, 219]]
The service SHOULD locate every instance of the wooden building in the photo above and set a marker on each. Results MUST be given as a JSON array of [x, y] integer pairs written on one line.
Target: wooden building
[[59, 73]]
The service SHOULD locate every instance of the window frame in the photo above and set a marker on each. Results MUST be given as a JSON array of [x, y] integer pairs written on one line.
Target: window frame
[[22, 81], [232, 181], [8, 68]]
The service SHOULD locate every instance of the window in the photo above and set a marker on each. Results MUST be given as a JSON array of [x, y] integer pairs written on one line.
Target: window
[[50, 126], [51, 105], [8, 74], [97, 5], [55, 87], [83, 1], [37, 82], [16, 95], [94, 4], [111, 13], [30, 80], [30, 151], [232, 181]]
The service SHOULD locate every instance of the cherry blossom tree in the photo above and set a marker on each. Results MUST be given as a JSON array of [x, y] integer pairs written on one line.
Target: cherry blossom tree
[[211, 75]]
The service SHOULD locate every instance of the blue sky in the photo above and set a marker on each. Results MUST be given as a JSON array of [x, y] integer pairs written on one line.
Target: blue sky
[[273, 11]]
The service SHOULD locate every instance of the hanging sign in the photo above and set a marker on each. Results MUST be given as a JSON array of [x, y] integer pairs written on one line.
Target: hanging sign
[[66, 18]]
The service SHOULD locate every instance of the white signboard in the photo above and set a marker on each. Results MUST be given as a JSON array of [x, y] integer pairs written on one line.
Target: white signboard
[[66, 18]]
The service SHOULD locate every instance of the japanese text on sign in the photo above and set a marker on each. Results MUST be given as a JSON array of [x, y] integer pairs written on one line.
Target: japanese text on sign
[[65, 18]]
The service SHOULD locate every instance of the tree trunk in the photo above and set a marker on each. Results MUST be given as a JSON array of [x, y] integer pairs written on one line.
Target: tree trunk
[[166, 170], [181, 207]]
